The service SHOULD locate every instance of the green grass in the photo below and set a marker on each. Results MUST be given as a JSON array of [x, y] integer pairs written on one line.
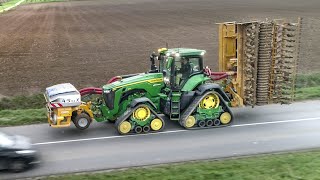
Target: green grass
[[308, 80], [35, 101], [290, 166], [308, 86], [22, 117], [12, 2], [307, 93], [8, 4], [42, 1]]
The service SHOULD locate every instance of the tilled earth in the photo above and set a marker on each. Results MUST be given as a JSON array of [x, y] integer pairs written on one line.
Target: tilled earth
[[87, 42]]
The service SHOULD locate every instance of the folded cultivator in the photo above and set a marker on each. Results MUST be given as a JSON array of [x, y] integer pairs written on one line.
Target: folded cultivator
[[265, 55]]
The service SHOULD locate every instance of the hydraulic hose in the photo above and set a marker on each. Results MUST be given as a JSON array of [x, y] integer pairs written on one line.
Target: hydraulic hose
[[90, 90]]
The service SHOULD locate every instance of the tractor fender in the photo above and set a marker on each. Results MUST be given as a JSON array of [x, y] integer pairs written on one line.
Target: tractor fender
[[212, 86], [142, 100]]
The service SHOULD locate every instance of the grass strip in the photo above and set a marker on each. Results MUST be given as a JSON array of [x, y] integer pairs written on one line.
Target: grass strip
[[11, 3], [307, 87], [308, 80], [298, 165], [307, 93], [22, 117], [42, 1], [35, 101], [8, 4]]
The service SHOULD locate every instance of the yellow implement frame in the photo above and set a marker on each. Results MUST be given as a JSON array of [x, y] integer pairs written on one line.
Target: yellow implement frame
[[231, 43], [264, 58], [64, 114]]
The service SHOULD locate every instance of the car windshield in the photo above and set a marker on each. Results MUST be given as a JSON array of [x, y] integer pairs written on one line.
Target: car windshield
[[5, 140]]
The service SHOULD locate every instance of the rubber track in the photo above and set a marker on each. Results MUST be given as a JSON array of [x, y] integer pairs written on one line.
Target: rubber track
[[194, 105], [128, 113]]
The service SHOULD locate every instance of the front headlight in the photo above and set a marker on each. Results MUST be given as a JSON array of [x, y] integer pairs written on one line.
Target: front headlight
[[26, 152]]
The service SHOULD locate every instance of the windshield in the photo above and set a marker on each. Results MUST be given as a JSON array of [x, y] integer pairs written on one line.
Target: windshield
[[183, 68], [5, 140], [167, 69]]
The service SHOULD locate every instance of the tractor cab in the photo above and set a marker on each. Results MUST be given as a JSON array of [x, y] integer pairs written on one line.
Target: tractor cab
[[182, 70], [180, 65]]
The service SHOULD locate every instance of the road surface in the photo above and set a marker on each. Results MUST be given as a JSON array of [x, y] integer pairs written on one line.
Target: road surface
[[265, 129]]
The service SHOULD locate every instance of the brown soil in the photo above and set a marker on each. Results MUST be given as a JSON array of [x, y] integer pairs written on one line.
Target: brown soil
[[87, 42]]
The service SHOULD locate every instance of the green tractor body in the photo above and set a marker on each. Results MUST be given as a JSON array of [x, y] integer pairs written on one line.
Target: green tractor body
[[179, 89], [118, 95]]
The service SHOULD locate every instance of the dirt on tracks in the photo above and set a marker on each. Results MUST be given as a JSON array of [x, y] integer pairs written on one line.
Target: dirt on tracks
[[87, 42]]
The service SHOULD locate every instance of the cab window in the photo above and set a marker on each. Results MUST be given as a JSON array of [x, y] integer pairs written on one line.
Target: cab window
[[195, 64]]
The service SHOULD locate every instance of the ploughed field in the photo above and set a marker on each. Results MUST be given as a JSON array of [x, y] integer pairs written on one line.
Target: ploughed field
[[87, 42]]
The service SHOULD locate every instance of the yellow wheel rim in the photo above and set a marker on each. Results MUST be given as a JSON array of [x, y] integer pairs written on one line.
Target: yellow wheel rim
[[156, 124], [190, 122], [210, 101], [225, 118], [142, 113], [124, 127]]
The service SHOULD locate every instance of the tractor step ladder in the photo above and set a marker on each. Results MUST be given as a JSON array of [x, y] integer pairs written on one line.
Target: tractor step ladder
[[175, 106]]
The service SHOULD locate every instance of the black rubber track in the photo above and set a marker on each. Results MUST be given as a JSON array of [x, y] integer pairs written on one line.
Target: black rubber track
[[194, 105], [129, 112]]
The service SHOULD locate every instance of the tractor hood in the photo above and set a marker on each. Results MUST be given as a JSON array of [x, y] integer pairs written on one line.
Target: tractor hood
[[141, 79]]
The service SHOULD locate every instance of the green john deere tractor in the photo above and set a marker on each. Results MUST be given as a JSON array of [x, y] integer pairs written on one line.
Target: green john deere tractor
[[179, 89]]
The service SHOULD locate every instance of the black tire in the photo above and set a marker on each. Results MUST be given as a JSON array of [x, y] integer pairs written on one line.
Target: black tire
[[17, 165], [217, 122], [146, 128], [82, 121], [201, 123], [138, 129], [209, 123]]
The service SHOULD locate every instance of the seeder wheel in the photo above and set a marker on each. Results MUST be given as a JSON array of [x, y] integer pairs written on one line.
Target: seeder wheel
[[82, 121]]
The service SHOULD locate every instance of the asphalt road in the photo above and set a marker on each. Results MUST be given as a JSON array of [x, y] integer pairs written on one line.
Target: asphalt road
[[265, 129]]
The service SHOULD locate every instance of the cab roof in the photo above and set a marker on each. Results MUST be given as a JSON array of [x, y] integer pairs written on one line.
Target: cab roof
[[185, 51]]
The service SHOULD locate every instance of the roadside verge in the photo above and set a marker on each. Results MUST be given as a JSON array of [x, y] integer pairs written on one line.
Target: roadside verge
[[9, 5]]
